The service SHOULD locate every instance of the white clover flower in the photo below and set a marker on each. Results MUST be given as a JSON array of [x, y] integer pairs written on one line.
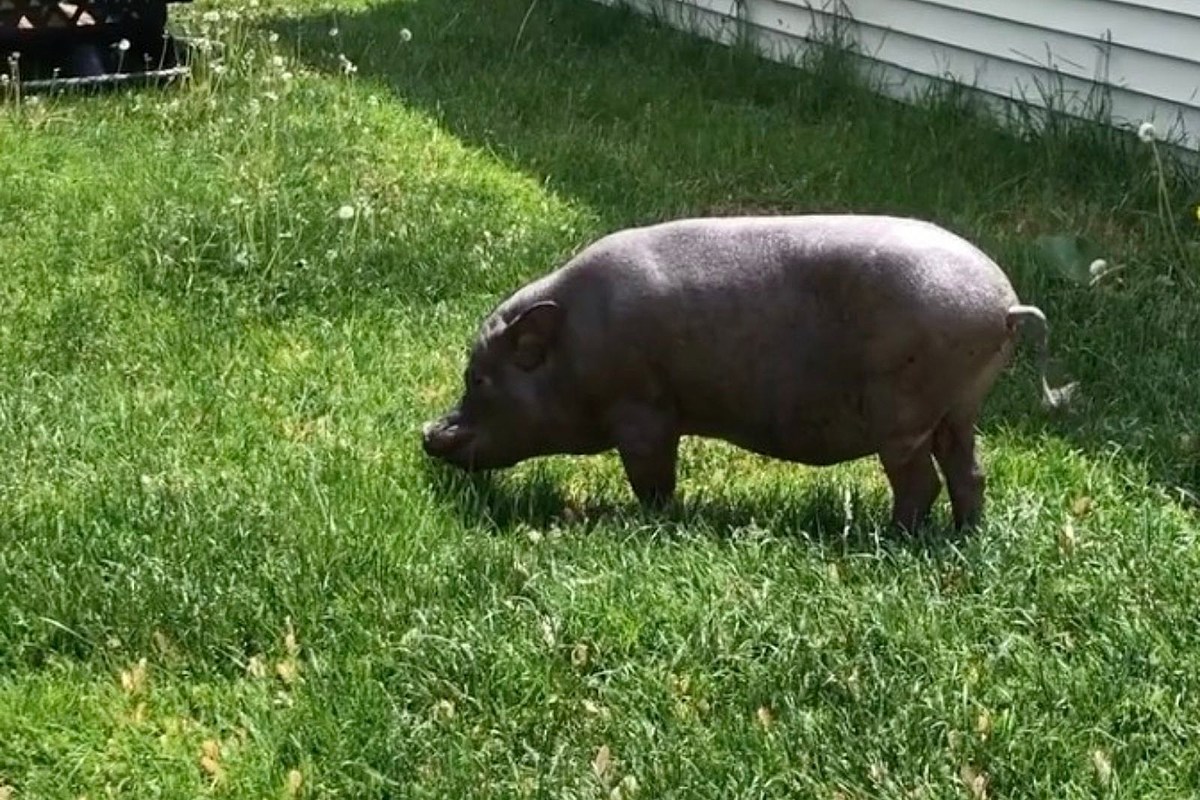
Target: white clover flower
[[123, 45], [4, 79], [1146, 132], [334, 31], [405, 35], [211, 16], [218, 69], [277, 61], [348, 66], [287, 76], [346, 212], [273, 37]]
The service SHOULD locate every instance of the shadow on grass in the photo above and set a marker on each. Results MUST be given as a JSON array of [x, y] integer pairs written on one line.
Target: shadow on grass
[[814, 512], [641, 124]]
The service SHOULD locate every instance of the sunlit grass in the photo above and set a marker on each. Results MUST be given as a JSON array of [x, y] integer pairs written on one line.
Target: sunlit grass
[[227, 570]]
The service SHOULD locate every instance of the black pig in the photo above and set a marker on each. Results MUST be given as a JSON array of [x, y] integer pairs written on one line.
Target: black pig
[[814, 339]]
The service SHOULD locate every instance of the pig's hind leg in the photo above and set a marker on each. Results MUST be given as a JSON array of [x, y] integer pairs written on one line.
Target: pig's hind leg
[[954, 449], [914, 481], [954, 445]]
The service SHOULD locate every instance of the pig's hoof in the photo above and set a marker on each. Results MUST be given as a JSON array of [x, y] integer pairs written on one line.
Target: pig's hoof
[[904, 530], [657, 503]]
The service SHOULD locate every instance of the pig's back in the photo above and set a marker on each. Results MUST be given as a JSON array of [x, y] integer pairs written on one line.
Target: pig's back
[[807, 338]]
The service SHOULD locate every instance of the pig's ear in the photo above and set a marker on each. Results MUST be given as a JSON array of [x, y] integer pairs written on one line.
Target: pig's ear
[[533, 331]]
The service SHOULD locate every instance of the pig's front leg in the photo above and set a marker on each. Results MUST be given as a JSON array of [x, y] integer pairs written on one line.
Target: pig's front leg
[[648, 443]]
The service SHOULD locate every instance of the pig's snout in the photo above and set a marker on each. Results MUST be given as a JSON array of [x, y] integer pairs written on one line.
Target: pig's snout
[[444, 437], [441, 438]]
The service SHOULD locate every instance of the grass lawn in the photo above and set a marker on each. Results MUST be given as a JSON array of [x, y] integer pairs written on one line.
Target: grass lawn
[[227, 570]]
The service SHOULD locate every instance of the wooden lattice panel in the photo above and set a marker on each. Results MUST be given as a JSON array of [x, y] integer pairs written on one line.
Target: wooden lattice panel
[[32, 15]]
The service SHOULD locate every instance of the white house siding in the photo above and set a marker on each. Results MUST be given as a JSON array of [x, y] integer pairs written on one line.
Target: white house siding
[[1145, 53]]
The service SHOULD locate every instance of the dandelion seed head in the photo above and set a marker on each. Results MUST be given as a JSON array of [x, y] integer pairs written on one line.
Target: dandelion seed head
[[123, 45], [277, 61], [1103, 766], [211, 16], [1146, 132], [273, 37], [346, 212], [334, 31], [405, 35], [1097, 267]]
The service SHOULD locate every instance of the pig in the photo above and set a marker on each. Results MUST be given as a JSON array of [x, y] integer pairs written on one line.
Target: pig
[[814, 339]]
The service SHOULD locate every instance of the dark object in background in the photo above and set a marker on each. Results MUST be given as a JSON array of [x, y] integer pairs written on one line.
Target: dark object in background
[[56, 43]]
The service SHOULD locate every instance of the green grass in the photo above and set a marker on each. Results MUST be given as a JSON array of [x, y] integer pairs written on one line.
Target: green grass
[[211, 386]]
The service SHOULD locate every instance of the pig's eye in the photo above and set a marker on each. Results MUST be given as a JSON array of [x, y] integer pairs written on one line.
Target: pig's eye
[[480, 381]]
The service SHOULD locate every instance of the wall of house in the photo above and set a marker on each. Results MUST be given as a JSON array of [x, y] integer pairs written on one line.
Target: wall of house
[[1146, 53]]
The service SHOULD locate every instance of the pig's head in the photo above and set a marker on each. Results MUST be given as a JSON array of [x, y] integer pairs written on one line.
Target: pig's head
[[512, 406]]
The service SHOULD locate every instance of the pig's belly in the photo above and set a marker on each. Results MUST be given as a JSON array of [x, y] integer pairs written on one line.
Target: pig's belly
[[805, 441], [806, 430], [830, 420], [813, 447]]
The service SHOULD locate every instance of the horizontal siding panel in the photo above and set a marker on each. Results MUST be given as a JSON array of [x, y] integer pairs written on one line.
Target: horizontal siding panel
[[1007, 79], [1184, 8], [1147, 73], [728, 8], [1128, 26]]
